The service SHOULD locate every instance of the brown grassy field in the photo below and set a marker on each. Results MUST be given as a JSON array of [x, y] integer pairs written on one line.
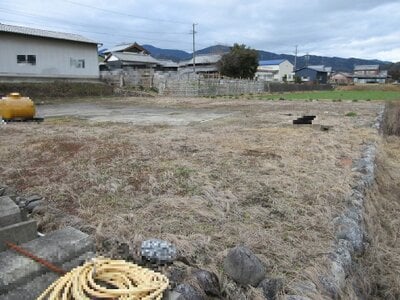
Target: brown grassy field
[[249, 178]]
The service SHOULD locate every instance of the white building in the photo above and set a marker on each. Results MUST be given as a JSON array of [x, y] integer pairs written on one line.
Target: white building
[[34, 53], [274, 70]]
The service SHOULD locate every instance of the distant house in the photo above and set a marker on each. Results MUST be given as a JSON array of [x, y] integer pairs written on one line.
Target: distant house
[[127, 48], [205, 64], [130, 61], [341, 78], [35, 53], [369, 74], [134, 57], [316, 74], [274, 70]]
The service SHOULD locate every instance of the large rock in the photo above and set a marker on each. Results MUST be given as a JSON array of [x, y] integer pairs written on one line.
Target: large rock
[[188, 292], [207, 281], [271, 287], [243, 266], [350, 230]]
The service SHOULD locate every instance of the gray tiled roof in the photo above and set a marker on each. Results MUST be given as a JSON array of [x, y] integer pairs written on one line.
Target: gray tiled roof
[[135, 57], [45, 33], [168, 63], [202, 59], [366, 67], [125, 47]]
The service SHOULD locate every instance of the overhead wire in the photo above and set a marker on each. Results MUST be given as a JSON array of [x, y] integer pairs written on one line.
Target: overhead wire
[[68, 25], [125, 14]]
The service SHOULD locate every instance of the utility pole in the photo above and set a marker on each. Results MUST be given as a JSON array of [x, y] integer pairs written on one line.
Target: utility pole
[[295, 57], [194, 48]]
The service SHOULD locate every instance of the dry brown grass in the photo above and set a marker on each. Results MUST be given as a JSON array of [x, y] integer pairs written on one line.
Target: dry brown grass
[[249, 178], [391, 119], [380, 271]]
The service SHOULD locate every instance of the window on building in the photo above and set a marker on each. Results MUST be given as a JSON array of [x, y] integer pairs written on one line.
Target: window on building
[[77, 63], [26, 59], [21, 59], [31, 59]]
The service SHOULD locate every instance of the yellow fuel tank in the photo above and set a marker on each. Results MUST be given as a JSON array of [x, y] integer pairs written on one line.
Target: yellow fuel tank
[[13, 106]]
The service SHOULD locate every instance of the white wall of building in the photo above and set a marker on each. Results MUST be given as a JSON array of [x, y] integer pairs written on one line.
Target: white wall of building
[[285, 69], [275, 72], [53, 58]]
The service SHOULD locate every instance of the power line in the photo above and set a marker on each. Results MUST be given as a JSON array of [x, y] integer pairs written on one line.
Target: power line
[[125, 14], [30, 15], [65, 23], [137, 38]]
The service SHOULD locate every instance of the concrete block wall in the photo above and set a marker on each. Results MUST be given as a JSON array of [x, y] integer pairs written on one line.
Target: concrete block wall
[[12, 227], [209, 87], [22, 277]]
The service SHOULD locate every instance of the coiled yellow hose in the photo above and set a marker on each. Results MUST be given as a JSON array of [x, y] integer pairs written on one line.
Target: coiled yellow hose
[[128, 281]]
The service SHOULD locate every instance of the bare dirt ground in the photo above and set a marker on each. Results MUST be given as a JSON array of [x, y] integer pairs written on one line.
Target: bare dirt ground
[[227, 172]]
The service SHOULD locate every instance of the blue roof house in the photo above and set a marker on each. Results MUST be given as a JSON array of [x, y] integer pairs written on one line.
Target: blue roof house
[[274, 70]]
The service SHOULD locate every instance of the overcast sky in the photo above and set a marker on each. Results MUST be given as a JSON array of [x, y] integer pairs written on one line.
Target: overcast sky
[[343, 28]]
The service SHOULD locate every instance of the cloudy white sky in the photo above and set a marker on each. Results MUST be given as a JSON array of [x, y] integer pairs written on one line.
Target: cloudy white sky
[[343, 28]]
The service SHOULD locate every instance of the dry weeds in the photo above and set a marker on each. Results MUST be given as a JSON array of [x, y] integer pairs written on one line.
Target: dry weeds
[[250, 178], [379, 274]]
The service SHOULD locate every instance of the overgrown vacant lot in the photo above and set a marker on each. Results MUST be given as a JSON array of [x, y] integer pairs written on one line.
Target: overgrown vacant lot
[[249, 177]]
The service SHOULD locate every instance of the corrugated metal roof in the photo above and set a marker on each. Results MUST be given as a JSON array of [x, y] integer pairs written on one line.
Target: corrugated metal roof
[[202, 59], [45, 33], [272, 62], [135, 57], [315, 68], [366, 67], [320, 68]]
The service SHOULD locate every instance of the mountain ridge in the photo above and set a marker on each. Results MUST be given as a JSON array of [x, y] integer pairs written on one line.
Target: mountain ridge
[[337, 63]]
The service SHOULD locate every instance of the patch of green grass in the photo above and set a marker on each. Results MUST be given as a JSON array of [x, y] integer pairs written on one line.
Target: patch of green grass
[[351, 114], [338, 95]]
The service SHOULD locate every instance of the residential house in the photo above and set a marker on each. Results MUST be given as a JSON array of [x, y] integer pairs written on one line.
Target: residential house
[[130, 61], [35, 53], [205, 64], [315, 74], [134, 57], [369, 74], [274, 70], [341, 78]]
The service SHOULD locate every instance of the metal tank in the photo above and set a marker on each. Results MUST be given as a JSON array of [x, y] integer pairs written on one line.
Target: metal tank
[[15, 107]]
